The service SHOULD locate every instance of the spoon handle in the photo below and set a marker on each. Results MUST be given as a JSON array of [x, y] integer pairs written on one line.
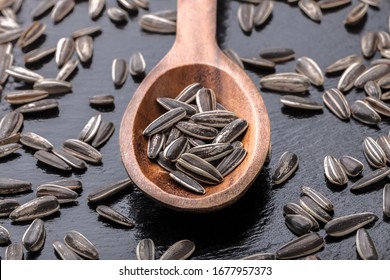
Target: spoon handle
[[196, 26]]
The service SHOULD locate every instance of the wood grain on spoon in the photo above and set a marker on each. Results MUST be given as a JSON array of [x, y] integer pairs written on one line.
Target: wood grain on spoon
[[194, 57]]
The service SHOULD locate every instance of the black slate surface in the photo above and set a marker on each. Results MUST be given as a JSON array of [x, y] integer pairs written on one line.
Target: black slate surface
[[255, 223]]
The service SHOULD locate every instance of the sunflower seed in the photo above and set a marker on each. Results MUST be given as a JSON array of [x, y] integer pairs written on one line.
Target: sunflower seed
[[164, 163], [34, 237], [336, 103], [386, 200], [65, 50], [343, 63], [187, 182], [352, 166], [350, 75], [51, 160], [200, 166], [64, 252], [181, 250], [117, 14], [67, 69], [258, 63], [5, 63], [37, 208], [344, 225], [356, 14], [231, 131], [79, 244], [334, 172], [383, 40], [365, 246], [155, 144], [153, 23], [82, 150], [277, 54], [314, 209], [331, 4], [369, 43], [137, 64], [102, 100], [9, 36], [206, 100], [90, 129], [195, 142], [371, 74], [38, 54], [370, 179], [25, 96], [245, 16], [31, 34], [298, 224], [72, 184], [61, 9], [14, 138], [378, 105], [210, 152], [311, 9], [374, 153], [373, 3], [53, 86], [318, 198], [14, 251], [169, 104], [230, 162], [23, 74], [188, 94], [197, 130], [119, 72], [12, 186], [175, 149], [109, 190], [8, 20], [42, 7], [7, 206], [215, 118], [86, 31], [373, 89], [38, 106], [286, 166], [384, 82], [310, 69], [304, 245], [4, 235], [172, 135], [285, 82], [234, 57], [129, 5], [294, 209], [364, 113], [380, 61], [165, 121], [35, 141], [11, 123], [72, 161], [145, 249], [106, 129], [112, 215], [300, 102], [384, 142], [84, 48], [8, 149], [261, 256], [143, 4], [262, 12], [385, 96], [95, 7]]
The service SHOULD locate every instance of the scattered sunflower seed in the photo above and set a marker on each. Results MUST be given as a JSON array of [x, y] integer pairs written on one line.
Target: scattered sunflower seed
[[82, 150], [310, 69], [181, 250], [286, 82], [84, 48], [304, 245], [81, 245], [343, 63], [314, 209], [8, 149], [331, 4], [344, 225], [102, 100], [365, 246], [350, 75], [61, 9], [373, 89], [106, 129], [374, 154], [318, 197], [42, 7], [112, 215], [95, 8], [145, 249], [356, 14], [13, 186], [23, 74], [261, 256], [364, 113], [53, 86], [38, 106], [7, 206], [72, 161], [117, 14], [298, 224], [34, 237], [234, 57], [31, 34], [378, 105], [119, 72], [14, 251], [86, 31], [300, 102], [109, 190], [67, 69], [64, 51], [295, 209], [35, 141], [370, 179], [352, 166], [51, 160], [137, 64], [37, 208], [277, 54], [90, 129], [369, 44], [371, 74], [262, 12], [336, 103], [64, 252], [286, 166], [156, 24], [21, 97], [334, 171], [4, 235], [311, 9], [386, 200], [38, 54], [245, 16]]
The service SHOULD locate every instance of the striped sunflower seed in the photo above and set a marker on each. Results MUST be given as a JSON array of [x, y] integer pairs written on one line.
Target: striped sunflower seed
[[14, 138], [365, 246], [195, 141], [169, 104], [174, 150], [105, 131], [79, 244], [181, 250], [385, 96], [374, 154], [318, 198], [65, 50], [215, 118], [117, 14], [384, 142], [380, 61], [386, 200], [188, 94], [35, 141], [350, 75], [298, 224], [231, 131], [38, 106], [200, 166], [286, 166], [165, 121], [334, 171], [8, 149], [31, 34], [371, 74], [344, 225], [34, 237], [102, 100], [262, 12], [304, 245], [137, 64], [143, 4], [336, 103], [37, 208], [9, 36], [343, 63], [369, 44], [310, 69], [145, 249], [331, 4], [21, 97], [129, 5], [187, 182], [7, 206], [383, 40], [87, 31], [245, 16], [300, 102], [4, 235], [51, 160], [311, 9], [257, 62], [378, 105], [384, 82], [82, 150], [67, 69], [114, 216], [234, 57], [90, 129], [109, 190], [155, 144], [294, 209], [314, 209], [13, 186], [356, 14], [72, 184], [164, 163], [230, 162], [61, 9], [172, 135], [370, 179], [14, 251], [10, 124], [156, 24], [197, 130], [95, 8], [84, 48], [206, 100], [53, 86], [352, 166], [119, 72], [363, 112], [277, 54], [38, 54], [23, 74], [211, 152], [373, 89], [286, 82], [72, 161], [64, 252], [373, 3], [42, 7]]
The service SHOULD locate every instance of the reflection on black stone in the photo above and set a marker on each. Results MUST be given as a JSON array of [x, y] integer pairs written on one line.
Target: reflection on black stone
[[300, 113]]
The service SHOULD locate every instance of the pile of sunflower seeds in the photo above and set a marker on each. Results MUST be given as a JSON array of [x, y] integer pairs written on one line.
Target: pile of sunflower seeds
[[196, 142]]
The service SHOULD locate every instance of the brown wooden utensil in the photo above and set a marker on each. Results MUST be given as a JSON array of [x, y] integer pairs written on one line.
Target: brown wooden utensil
[[194, 57]]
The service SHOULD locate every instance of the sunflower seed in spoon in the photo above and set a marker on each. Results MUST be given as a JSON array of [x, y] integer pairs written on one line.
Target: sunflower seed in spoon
[[352, 166], [156, 24], [230, 162], [61, 9], [286, 82], [197, 130], [81, 245], [67, 69], [90, 129], [336, 103], [364, 113], [175, 149], [25, 96], [350, 75], [72, 161], [82, 150], [343, 63], [215, 118], [117, 14], [7, 206], [370, 179], [38, 54], [13, 186], [310, 69], [356, 14], [35, 141], [4, 235], [137, 64], [105, 131], [262, 12], [114, 216], [286, 166], [155, 144], [102, 100], [206, 100], [119, 72], [95, 7], [104, 192], [64, 51], [145, 249], [38, 106], [165, 121], [23, 74], [245, 16], [374, 154], [8, 149], [318, 197], [31, 34], [84, 48], [344, 225], [42, 7], [200, 166], [14, 251], [334, 171], [373, 73], [34, 237], [369, 43], [169, 104], [53, 86], [211, 152], [64, 252], [231, 131], [300, 102], [187, 182], [181, 250], [37, 208], [331, 4], [164, 163], [304, 245], [298, 224], [311, 9], [188, 94]]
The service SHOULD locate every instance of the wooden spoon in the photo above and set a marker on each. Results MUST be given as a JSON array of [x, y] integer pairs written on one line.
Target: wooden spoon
[[194, 57]]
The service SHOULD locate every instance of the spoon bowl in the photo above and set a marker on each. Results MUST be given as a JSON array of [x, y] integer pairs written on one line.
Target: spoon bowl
[[189, 62]]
